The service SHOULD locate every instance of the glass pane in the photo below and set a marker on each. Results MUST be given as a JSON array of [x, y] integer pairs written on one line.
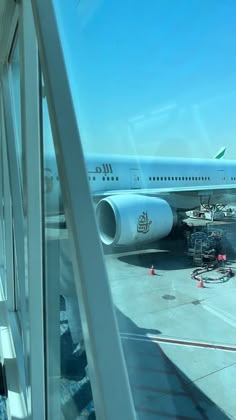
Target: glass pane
[[15, 84], [154, 91], [2, 205], [69, 387], [20, 292]]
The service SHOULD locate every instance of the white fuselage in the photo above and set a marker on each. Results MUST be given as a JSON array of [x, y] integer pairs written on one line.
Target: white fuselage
[[183, 182], [162, 177], [138, 199]]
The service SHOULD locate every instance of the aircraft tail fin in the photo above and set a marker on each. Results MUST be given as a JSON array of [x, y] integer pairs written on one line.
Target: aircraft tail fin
[[220, 153]]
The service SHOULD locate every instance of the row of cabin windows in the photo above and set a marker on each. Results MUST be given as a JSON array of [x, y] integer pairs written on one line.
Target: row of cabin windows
[[104, 178], [180, 178], [163, 178]]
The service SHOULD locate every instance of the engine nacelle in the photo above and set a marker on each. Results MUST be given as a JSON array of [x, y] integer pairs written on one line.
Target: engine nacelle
[[132, 219]]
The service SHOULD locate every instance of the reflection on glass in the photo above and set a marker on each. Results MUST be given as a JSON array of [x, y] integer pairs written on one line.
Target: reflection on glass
[[158, 80], [68, 378]]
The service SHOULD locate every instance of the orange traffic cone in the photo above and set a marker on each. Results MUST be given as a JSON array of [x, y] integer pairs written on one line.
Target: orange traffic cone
[[152, 271], [200, 283]]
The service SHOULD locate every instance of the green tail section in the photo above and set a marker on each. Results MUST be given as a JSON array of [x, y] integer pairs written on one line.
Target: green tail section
[[220, 153]]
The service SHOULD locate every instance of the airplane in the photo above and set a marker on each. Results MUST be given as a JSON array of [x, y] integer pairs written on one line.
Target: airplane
[[139, 199]]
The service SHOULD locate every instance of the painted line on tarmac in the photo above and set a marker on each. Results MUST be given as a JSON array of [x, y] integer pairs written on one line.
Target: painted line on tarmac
[[221, 314], [155, 339]]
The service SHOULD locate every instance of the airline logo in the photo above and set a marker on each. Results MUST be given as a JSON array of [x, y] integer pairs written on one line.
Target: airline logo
[[144, 223], [105, 168]]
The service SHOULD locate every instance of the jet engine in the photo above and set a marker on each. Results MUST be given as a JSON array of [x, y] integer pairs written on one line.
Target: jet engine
[[130, 219]]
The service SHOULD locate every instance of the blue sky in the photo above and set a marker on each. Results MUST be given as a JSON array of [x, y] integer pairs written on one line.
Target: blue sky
[[156, 77]]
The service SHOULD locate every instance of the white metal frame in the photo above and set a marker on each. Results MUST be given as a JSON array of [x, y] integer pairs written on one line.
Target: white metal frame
[[18, 228], [31, 147], [28, 226], [103, 346]]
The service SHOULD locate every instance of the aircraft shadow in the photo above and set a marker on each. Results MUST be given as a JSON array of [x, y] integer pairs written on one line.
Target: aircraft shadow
[[159, 388], [161, 260]]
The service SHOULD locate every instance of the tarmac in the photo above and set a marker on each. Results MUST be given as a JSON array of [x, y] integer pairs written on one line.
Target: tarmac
[[178, 339]]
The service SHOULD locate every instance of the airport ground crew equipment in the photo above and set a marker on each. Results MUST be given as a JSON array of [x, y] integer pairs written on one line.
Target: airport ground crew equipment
[[204, 245], [221, 275]]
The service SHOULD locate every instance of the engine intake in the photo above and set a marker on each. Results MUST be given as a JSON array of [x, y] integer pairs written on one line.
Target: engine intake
[[130, 219]]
